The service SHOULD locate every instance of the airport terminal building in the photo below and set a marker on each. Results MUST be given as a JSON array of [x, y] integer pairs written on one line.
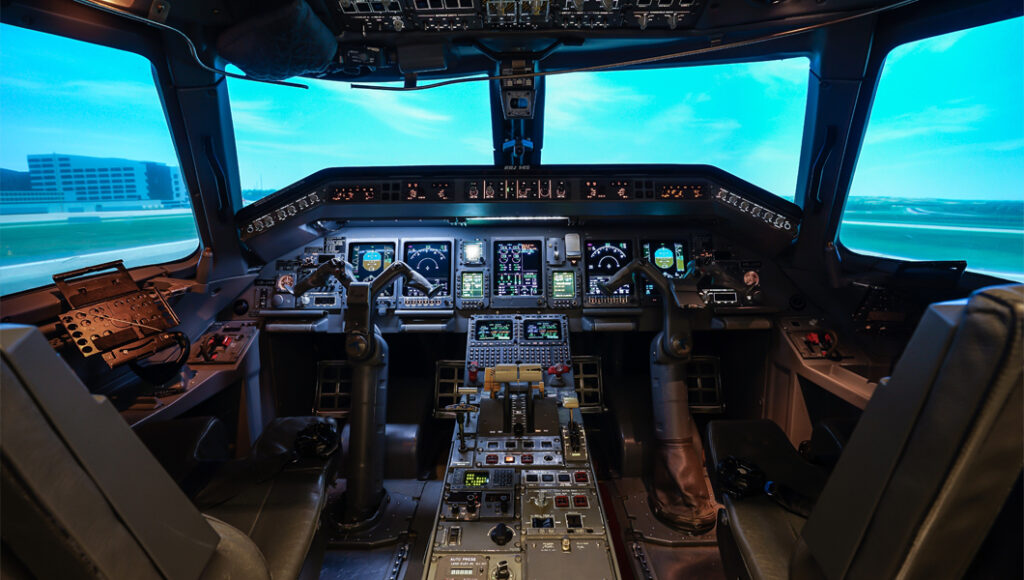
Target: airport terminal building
[[77, 183]]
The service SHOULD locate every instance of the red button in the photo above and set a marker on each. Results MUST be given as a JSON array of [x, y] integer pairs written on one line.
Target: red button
[[492, 459], [527, 458], [562, 501], [580, 476], [580, 501]]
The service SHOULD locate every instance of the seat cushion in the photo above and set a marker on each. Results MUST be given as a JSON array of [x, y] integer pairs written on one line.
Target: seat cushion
[[764, 534], [236, 557], [274, 497], [280, 515], [763, 443]]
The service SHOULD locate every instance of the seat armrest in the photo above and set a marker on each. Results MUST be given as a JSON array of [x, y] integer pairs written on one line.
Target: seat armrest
[[828, 439], [191, 450]]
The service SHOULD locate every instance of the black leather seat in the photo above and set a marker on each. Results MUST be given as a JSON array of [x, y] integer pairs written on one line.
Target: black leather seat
[[924, 475], [84, 498]]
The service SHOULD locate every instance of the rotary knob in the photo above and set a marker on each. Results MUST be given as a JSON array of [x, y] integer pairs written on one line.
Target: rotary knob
[[501, 534]]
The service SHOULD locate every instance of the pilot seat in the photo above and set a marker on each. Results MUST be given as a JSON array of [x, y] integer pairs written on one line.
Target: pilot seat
[[924, 475], [79, 482]]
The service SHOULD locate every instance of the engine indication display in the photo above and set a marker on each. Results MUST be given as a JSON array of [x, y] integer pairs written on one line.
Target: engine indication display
[[563, 285], [499, 330], [542, 329], [370, 259], [472, 285], [668, 256], [433, 261], [604, 259], [517, 268]]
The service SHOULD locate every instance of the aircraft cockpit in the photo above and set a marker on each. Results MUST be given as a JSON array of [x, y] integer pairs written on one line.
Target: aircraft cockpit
[[511, 289]]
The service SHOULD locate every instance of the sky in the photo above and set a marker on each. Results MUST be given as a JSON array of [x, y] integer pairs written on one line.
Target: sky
[[947, 120]]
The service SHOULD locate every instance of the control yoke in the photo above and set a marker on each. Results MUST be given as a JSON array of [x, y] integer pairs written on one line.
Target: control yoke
[[400, 269], [342, 270], [675, 334], [368, 356], [641, 266]]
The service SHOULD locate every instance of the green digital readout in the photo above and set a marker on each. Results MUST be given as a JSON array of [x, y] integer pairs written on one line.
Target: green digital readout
[[494, 330], [563, 285], [472, 285], [476, 479], [542, 329]]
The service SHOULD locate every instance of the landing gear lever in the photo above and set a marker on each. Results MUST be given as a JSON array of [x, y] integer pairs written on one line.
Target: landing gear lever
[[680, 495]]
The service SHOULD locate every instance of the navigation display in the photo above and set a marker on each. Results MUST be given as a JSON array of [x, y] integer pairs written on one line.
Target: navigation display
[[668, 256], [517, 269], [370, 259], [563, 285], [472, 285], [542, 329], [433, 261], [604, 259], [494, 330]]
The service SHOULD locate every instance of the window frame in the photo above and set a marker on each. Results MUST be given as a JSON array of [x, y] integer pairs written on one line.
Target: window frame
[[890, 36], [85, 24]]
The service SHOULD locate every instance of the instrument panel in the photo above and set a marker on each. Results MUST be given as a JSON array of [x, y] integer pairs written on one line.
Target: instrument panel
[[520, 270]]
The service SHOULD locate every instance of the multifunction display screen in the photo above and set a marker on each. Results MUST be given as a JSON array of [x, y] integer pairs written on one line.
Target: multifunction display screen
[[668, 256], [604, 259], [476, 478], [370, 260], [434, 261], [494, 330], [542, 329], [517, 269], [563, 285], [472, 285], [473, 253]]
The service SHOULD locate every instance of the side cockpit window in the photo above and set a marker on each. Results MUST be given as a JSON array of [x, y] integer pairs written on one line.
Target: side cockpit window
[[88, 171], [940, 173]]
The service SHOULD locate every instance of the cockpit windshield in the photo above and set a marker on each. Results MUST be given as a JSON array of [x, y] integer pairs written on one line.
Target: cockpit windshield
[[746, 118], [284, 134]]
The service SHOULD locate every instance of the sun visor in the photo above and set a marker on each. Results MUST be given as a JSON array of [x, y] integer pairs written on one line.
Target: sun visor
[[282, 43]]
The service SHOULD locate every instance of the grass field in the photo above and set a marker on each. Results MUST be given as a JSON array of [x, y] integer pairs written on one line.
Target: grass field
[[989, 235], [30, 242], [993, 250]]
